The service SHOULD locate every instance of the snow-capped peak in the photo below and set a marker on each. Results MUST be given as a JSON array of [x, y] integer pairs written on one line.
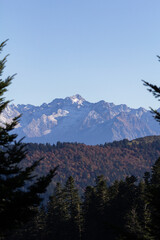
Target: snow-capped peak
[[77, 99]]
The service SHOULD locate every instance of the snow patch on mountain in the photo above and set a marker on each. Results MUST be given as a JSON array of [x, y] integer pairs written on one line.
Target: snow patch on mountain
[[76, 99]]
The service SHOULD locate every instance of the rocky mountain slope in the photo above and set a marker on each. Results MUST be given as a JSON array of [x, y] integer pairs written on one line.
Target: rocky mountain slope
[[74, 119]]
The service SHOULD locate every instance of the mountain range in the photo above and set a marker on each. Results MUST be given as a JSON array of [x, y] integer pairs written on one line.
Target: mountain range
[[74, 119]]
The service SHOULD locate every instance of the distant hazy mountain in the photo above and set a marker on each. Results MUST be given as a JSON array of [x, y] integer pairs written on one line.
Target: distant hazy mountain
[[74, 119]]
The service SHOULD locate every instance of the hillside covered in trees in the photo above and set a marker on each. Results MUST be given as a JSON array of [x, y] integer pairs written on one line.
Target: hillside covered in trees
[[123, 211], [113, 160]]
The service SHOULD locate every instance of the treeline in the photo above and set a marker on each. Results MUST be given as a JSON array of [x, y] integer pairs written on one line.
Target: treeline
[[115, 160], [124, 210]]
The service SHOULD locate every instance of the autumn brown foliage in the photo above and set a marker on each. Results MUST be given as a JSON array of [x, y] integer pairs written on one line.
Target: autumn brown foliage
[[113, 160]]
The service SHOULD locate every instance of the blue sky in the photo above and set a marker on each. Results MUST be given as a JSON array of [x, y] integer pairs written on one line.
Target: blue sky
[[100, 49]]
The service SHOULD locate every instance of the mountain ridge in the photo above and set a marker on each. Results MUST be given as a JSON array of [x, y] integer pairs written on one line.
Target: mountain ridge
[[73, 119]]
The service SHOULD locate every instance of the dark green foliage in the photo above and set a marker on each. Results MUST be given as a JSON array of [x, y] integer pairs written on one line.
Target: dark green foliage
[[20, 189], [138, 219], [57, 215], [123, 211], [153, 197], [95, 200], [74, 209], [90, 214], [34, 229], [156, 93], [64, 219], [119, 206], [153, 181]]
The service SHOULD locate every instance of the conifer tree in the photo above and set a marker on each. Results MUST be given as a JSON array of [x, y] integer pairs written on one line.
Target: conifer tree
[[154, 197], [64, 213], [138, 218], [101, 198], [101, 194], [32, 230], [155, 90], [95, 199], [20, 189], [57, 215], [153, 180], [89, 210], [74, 209]]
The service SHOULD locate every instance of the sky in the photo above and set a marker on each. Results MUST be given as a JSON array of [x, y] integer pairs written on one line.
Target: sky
[[100, 49]]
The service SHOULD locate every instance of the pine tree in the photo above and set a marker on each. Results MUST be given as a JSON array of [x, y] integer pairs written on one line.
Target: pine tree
[[138, 218], [57, 215], [74, 209], [156, 93], [89, 210], [101, 194], [153, 180], [32, 230], [64, 213], [95, 199], [20, 189], [101, 198], [119, 205], [154, 197]]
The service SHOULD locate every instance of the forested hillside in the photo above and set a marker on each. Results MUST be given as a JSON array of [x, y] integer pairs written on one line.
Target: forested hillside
[[114, 160], [126, 210]]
